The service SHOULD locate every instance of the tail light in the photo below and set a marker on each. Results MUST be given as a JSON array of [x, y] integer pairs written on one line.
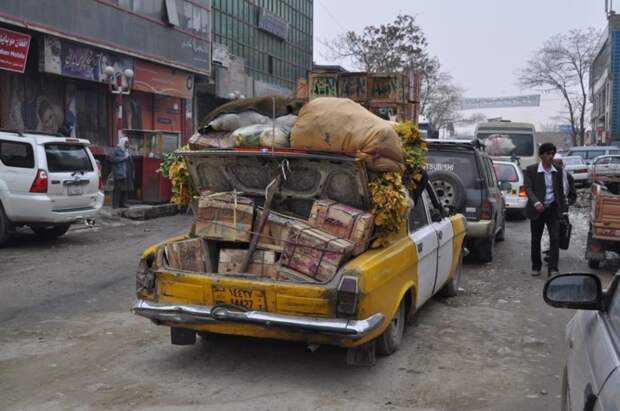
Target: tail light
[[348, 293], [39, 185], [522, 192], [486, 210], [101, 187]]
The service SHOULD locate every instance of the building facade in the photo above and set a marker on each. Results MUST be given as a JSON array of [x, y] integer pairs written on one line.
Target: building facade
[[58, 65]]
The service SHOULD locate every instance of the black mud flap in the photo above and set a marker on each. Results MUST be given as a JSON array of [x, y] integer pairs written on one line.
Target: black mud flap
[[182, 336], [362, 355]]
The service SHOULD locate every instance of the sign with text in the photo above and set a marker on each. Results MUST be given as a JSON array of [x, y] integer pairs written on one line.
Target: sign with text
[[79, 61], [13, 50], [273, 24], [157, 79], [532, 100]]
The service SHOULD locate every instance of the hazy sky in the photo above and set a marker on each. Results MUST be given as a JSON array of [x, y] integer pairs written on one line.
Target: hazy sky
[[480, 42]]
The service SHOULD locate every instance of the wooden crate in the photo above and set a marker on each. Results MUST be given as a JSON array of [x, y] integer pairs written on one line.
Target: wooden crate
[[263, 262], [224, 217], [186, 255], [276, 230], [343, 222]]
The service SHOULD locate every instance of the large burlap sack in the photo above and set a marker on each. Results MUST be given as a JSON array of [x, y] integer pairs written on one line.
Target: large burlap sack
[[233, 121], [211, 139], [341, 125]]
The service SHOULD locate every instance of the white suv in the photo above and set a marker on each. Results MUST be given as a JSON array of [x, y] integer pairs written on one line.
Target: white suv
[[47, 182]]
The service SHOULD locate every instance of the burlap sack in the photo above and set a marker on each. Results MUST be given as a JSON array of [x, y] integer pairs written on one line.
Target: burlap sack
[[341, 125]]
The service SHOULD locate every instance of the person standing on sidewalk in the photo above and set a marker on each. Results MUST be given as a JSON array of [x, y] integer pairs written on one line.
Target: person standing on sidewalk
[[122, 169], [544, 185]]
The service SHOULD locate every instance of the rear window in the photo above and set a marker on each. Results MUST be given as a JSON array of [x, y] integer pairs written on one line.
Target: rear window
[[459, 163], [14, 154], [574, 161], [63, 158], [594, 153], [506, 172], [614, 152]]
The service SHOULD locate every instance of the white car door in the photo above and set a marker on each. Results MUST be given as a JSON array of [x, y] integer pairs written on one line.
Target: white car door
[[445, 238], [424, 236], [17, 170]]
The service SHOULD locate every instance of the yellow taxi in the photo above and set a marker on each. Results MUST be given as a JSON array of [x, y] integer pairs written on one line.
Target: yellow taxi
[[363, 307]]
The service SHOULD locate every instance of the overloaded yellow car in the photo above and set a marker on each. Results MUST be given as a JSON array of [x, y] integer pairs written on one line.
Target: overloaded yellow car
[[362, 305]]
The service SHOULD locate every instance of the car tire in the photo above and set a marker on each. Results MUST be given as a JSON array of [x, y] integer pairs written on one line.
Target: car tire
[[448, 188], [392, 337], [51, 232], [594, 264], [451, 288], [485, 250], [4, 227]]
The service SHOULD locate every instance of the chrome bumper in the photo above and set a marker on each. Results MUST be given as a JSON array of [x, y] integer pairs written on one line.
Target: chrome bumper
[[200, 314]]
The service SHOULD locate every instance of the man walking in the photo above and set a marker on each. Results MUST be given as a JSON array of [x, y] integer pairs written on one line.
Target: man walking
[[544, 184]]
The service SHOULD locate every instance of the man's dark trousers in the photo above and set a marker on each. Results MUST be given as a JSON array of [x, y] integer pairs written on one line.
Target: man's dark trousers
[[550, 218]]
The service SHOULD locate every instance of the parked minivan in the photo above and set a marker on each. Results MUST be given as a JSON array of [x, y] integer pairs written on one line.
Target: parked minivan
[[589, 153]]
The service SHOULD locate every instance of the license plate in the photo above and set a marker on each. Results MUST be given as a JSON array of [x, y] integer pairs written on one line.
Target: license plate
[[74, 190], [249, 299]]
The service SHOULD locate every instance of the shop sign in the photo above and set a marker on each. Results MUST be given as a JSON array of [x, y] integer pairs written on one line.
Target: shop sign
[[13, 50], [83, 62], [156, 79], [323, 85], [353, 86], [273, 24]]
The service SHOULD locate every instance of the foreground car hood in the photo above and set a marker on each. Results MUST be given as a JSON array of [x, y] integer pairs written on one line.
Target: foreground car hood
[[308, 177]]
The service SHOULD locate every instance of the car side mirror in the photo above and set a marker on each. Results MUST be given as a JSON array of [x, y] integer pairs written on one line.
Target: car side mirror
[[436, 215], [577, 291], [505, 186]]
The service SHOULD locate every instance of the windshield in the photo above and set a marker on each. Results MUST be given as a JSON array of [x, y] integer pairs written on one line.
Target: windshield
[[523, 143], [64, 158], [506, 172], [572, 161]]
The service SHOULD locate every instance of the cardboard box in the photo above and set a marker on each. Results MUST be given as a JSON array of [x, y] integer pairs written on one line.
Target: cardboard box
[[344, 222], [276, 230], [263, 262], [187, 255], [314, 252], [224, 217]]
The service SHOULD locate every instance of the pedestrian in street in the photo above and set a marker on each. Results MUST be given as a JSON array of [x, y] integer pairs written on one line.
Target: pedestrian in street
[[123, 172], [545, 207]]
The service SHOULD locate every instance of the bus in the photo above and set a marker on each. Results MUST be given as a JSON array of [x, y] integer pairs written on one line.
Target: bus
[[518, 141]]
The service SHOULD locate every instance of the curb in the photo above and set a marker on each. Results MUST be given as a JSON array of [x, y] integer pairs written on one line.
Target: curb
[[140, 212]]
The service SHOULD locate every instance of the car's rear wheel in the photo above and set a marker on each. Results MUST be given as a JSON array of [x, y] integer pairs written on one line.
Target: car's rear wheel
[[485, 250], [51, 232], [502, 233], [4, 227], [392, 337]]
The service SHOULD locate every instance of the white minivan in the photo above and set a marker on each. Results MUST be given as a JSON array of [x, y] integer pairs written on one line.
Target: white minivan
[[47, 182]]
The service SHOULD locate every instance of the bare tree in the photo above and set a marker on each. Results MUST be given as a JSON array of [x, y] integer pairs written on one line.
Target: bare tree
[[397, 46], [562, 65]]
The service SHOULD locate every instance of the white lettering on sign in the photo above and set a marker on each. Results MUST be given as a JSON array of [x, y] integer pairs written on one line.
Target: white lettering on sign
[[439, 167]]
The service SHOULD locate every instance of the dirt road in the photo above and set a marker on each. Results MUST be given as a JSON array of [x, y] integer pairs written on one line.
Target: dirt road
[[68, 340]]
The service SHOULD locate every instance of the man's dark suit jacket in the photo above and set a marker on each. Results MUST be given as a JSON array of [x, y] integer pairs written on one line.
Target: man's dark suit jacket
[[535, 188]]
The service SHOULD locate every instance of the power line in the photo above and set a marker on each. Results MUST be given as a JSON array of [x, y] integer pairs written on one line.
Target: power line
[[329, 13]]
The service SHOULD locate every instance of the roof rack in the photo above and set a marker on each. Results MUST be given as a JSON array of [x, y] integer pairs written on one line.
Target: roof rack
[[475, 143]]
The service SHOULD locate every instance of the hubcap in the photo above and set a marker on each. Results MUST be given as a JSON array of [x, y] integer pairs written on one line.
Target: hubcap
[[445, 192]]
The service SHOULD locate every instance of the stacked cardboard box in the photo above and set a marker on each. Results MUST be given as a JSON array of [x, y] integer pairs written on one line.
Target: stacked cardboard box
[[344, 222], [314, 252], [263, 262], [224, 217], [275, 233]]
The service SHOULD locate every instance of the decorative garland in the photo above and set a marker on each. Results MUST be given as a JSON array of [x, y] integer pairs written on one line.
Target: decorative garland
[[387, 190]]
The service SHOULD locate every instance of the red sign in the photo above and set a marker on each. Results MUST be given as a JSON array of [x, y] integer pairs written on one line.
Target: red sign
[[167, 81], [13, 50]]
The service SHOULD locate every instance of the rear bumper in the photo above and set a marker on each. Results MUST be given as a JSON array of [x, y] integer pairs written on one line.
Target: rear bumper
[[43, 209], [200, 314], [515, 203], [480, 229]]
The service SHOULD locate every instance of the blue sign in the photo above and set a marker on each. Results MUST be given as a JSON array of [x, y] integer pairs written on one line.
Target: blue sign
[[565, 128], [273, 24]]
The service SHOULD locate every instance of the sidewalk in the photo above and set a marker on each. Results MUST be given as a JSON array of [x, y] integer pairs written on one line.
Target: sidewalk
[[138, 211]]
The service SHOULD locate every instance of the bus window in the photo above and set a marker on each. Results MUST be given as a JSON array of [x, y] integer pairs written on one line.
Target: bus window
[[524, 143]]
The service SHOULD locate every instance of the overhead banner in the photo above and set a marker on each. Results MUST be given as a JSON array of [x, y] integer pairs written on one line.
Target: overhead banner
[[13, 50], [532, 100]]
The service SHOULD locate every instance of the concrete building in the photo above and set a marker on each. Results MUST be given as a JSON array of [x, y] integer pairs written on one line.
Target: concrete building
[[67, 62]]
